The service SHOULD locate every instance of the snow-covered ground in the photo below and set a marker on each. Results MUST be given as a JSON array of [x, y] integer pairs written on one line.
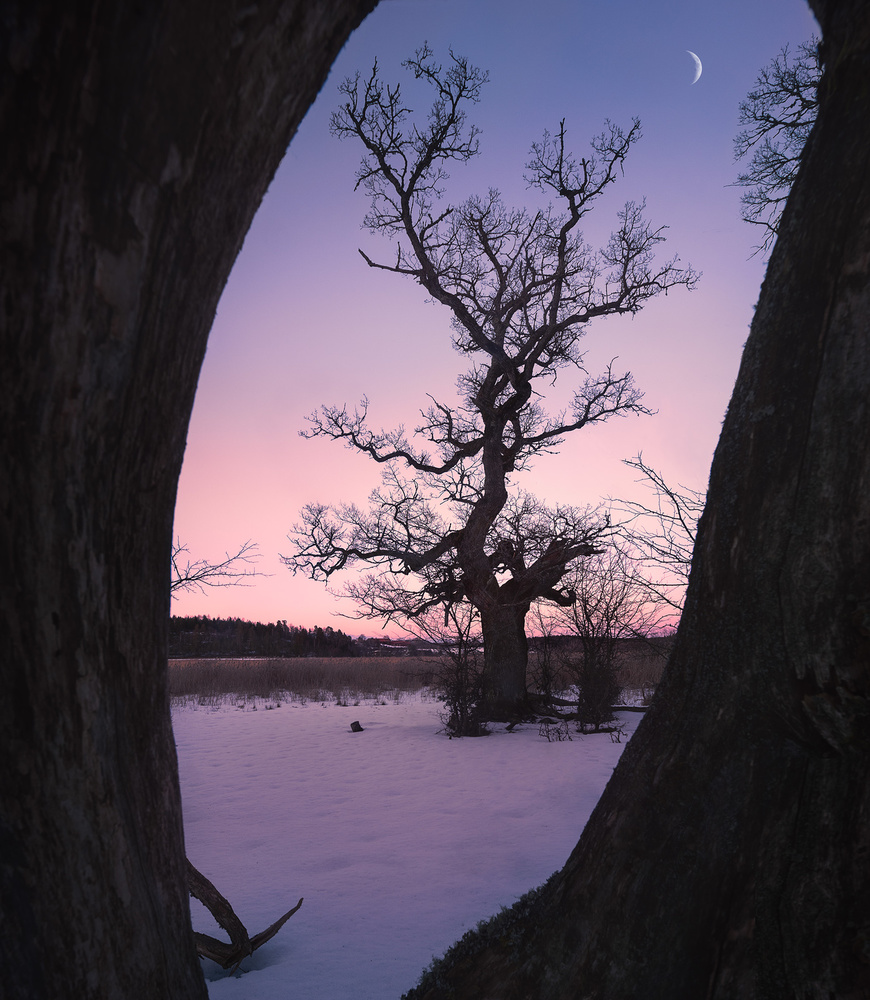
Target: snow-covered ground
[[398, 838]]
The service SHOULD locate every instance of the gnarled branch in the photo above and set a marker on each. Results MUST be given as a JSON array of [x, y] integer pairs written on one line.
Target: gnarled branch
[[227, 954]]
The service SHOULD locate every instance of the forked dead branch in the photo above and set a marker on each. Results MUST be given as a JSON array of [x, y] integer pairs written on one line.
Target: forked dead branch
[[227, 954]]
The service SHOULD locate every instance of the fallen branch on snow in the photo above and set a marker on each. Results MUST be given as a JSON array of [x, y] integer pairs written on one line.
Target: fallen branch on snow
[[227, 954]]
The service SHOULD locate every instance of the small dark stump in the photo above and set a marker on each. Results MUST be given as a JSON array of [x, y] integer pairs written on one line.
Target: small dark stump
[[355, 727]]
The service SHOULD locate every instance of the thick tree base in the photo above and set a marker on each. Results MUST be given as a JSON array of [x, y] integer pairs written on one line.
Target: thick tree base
[[514, 710], [746, 890], [145, 135], [728, 856]]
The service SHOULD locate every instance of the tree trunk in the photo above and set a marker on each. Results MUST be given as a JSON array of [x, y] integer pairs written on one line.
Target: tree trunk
[[506, 658], [728, 856], [139, 139]]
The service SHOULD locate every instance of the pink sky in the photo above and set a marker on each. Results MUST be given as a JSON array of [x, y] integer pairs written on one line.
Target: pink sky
[[304, 322]]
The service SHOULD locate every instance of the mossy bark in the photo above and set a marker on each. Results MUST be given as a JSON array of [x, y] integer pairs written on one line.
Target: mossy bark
[[728, 856]]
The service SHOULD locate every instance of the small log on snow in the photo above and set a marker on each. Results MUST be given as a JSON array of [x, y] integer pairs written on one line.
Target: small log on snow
[[355, 727], [227, 954]]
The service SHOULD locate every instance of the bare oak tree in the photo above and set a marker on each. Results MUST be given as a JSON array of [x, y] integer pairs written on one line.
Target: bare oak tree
[[727, 856], [521, 288]]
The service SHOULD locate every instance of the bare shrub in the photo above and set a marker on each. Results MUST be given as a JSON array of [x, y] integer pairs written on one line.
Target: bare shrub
[[596, 682], [555, 732], [458, 681], [548, 677], [608, 608], [459, 685]]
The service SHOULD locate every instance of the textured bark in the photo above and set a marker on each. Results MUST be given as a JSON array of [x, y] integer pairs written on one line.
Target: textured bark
[[728, 856], [138, 141], [506, 657]]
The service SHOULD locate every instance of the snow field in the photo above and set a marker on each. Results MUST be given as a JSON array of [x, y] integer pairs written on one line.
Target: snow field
[[399, 839]]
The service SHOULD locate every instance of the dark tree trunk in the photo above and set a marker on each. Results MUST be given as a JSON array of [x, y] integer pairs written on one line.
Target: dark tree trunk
[[728, 856], [138, 140], [506, 657]]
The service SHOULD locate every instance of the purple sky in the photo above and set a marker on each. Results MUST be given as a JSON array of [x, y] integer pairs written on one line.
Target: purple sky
[[303, 321]]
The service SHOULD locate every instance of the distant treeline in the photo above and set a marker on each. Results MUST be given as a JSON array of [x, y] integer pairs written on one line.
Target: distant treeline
[[214, 637], [235, 637]]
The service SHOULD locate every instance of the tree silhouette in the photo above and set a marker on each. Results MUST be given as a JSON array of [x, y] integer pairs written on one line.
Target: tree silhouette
[[521, 287], [662, 535], [232, 571], [777, 116], [727, 856], [141, 139]]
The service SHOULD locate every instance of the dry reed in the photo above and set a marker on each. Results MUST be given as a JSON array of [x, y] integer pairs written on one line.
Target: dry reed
[[351, 680], [346, 680]]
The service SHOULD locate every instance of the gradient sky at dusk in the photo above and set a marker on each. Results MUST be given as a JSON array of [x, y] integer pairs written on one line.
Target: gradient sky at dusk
[[303, 321]]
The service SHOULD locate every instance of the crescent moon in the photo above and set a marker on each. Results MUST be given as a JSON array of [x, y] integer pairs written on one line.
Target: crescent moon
[[698, 67]]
